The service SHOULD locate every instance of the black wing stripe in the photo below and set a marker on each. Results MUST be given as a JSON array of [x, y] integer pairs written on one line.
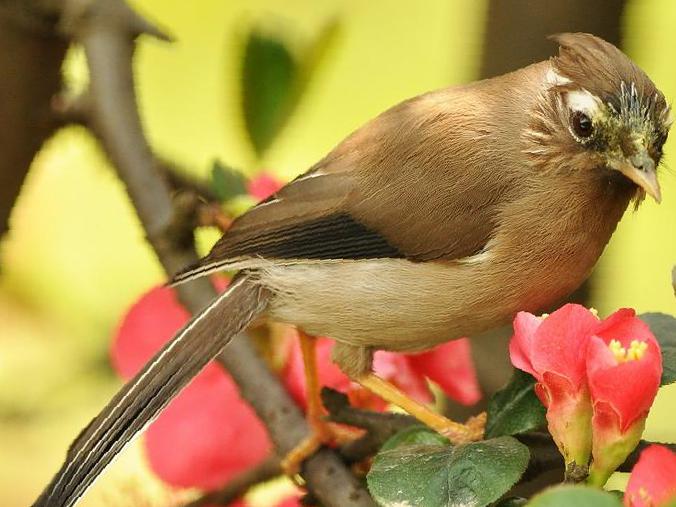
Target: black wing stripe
[[337, 236]]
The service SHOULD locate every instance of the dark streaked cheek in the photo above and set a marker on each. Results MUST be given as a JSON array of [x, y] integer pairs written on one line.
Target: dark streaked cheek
[[599, 143]]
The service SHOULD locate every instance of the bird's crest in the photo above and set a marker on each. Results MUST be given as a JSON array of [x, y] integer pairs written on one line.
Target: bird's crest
[[600, 68]]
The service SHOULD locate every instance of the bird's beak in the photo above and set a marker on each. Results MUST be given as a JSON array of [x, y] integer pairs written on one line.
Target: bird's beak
[[640, 168]]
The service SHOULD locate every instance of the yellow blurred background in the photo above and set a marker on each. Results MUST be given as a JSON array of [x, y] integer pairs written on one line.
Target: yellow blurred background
[[75, 257]]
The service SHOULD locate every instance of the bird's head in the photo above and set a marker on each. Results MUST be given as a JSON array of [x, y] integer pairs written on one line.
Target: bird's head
[[599, 112]]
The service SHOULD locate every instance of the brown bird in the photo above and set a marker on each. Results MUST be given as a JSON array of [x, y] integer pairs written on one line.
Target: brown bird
[[440, 218]]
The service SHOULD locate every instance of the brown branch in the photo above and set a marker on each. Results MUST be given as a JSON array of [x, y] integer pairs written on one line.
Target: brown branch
[[238, 486], [107, 30], [30, 58], [379, 426]]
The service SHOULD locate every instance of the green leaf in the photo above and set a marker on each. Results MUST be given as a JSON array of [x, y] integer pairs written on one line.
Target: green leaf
[[414, 435], [515, 408], [274, 79], [663, 327], [578, 496], [470, 475], [226, 182], [269, 74]]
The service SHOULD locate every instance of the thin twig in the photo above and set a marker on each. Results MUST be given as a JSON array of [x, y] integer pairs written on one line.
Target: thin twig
[[238, 486], [379, 426]]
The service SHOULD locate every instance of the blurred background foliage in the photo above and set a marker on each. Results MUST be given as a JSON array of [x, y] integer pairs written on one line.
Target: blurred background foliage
[[307, 74]]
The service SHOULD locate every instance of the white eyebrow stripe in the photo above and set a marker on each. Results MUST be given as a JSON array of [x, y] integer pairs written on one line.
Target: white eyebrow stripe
[[582, 100]]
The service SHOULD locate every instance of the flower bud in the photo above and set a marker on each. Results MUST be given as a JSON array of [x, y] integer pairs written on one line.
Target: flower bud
[[553, 350], [624, 366]]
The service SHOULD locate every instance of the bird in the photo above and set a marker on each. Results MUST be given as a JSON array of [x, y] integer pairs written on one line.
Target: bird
[[440, 218]]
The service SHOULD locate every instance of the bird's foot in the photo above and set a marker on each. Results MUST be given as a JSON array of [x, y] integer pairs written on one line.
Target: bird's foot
[[471, 431], [323, 433]]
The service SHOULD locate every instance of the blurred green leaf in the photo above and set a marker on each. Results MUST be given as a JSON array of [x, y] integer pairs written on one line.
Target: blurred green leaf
[[470, 475], [414, 435], [578, 496], [515, 408], [269, 75], [317, 51], [663, 327], [227, 182], [274, 80]]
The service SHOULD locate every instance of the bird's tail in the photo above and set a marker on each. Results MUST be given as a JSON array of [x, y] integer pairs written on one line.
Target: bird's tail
[[143, 398]]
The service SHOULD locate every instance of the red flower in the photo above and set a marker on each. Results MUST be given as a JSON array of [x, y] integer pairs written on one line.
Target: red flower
[[624, 366], [553, 350], [208, 433], [610, 369], [263, 186], [653, 480], [449, 365]]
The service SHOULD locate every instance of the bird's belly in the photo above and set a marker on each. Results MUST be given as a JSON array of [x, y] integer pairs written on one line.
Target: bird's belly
[[389, 304]]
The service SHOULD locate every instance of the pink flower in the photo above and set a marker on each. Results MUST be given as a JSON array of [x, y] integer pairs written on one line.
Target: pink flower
[[263, 186], [207, 434], [653, 480], [597, 379], [449, 365], [554, 351], [624, 366]]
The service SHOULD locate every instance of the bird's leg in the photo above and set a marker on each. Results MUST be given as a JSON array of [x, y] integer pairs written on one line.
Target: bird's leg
[[322, 432], [456, 432]]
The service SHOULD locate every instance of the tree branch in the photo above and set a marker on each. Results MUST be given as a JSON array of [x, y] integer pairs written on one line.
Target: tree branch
[[107, 30], [30, 58]]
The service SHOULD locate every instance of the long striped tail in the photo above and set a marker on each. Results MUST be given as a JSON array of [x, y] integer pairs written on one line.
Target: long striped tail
[[142, 399]]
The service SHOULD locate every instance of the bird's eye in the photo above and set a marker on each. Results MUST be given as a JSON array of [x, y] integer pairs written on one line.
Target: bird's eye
[[582, 125]]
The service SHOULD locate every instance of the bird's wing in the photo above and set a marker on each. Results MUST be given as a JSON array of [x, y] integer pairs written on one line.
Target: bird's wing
[[398, 188]]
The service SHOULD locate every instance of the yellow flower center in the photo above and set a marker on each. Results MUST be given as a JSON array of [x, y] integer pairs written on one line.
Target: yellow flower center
[[635, 352]]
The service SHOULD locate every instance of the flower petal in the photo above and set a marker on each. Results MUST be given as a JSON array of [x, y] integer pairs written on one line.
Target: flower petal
[[560, 343], [629, 387], [148, 325], [451, 367], [206, 435], [653, 480], [624, 326], [400, 370], [263, 186], [521, 344]]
